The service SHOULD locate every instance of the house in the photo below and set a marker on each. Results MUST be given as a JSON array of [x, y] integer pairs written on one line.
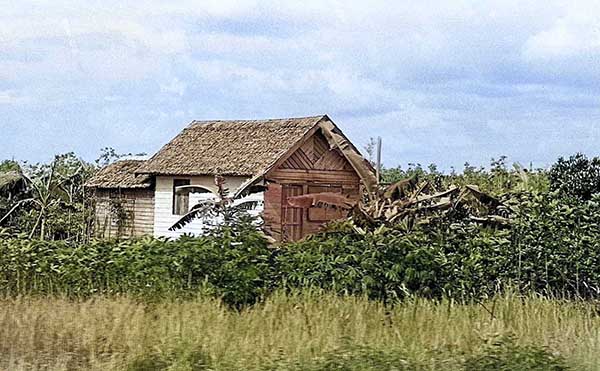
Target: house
[[269, 161], [124, 201]]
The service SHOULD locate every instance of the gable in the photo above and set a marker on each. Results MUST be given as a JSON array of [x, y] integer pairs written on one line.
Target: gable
[[316, 154]]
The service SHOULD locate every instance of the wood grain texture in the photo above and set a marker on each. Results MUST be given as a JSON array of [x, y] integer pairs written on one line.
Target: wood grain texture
[[137, 203], [312, 167]]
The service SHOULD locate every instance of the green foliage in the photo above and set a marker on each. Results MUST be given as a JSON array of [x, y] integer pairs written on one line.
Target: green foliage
[[229, 264], [52, 204], [349, 358], [498, 354], [9, 165], [384, 265], [501, 354], [577, 177], [431, 173], [498, 179], [552, 248], [180, 358], [504, 354]]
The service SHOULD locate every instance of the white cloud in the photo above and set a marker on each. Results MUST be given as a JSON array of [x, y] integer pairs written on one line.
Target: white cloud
[[10, 97], [575, 33], [174, 87]]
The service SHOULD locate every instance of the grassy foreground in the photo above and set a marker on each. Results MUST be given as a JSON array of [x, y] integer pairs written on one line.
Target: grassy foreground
[[298, 332]]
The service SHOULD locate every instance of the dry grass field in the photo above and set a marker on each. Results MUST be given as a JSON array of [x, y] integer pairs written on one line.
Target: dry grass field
[[307, 331]]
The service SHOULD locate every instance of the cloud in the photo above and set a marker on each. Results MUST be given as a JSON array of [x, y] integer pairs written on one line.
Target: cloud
[[10, 97], [174, 87], [575, 33], [440, 81]]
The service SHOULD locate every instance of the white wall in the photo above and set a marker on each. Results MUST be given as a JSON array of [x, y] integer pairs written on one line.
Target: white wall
[[163, 203]]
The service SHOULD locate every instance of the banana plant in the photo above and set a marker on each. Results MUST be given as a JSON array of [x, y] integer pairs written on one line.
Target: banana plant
[[222, 209], [44, 189]]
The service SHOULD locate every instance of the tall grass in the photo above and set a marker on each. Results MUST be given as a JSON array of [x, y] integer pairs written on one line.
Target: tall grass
[[314, 331]]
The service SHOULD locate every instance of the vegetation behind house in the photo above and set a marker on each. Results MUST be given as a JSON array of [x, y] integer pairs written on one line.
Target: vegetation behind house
[[452, 294]]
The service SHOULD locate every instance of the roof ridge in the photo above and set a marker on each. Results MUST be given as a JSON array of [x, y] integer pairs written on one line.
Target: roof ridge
[[315, 117], [127, 160]]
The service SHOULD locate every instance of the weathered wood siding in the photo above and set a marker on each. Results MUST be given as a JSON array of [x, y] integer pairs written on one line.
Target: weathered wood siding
[[312, 168], [272, 212], [137, 204], [163, 206]]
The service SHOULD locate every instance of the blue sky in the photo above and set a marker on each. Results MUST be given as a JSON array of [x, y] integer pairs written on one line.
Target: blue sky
[[440, 81]]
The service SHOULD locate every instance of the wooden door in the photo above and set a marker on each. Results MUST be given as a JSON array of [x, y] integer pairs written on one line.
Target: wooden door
[[291, 217]]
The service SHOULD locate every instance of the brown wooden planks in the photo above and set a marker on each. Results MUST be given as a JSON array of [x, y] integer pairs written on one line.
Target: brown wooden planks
[[314, 176]]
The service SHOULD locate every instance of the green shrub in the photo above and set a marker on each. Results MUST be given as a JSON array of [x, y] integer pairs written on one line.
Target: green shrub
[[382, 265], [152, 362], [232, 265], [181, 358], [504, 354], [552, 248], [576, 177], [348, 358]]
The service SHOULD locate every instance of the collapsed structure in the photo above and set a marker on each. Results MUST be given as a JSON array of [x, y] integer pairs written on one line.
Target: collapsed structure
[[268, 162]]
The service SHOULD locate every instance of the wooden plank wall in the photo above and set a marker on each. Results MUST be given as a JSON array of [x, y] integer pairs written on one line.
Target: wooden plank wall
[[137, 203], [272, 212], [312, 168]]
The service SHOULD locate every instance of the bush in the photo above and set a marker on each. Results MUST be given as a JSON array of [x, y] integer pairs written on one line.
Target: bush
[[349, 358], [552, 248], [180, 358], [501, 354], [504, 354], [383, 266], [578, 177], [231, 265]]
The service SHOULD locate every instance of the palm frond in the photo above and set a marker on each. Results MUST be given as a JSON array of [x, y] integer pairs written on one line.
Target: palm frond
[[14, 208], [247, 205], [203, 209]]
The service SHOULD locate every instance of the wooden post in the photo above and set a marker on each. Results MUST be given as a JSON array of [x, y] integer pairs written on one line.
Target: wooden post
[[378, 159]]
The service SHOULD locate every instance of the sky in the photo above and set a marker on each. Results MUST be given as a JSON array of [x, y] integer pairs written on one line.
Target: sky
[[443, 82]]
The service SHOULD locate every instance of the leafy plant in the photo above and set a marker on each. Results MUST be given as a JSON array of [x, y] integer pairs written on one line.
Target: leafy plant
[[576, 177], [504, 354]]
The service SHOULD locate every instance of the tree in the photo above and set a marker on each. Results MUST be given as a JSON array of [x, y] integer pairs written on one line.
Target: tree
[[576, 177], [108, 155], [54, 195]]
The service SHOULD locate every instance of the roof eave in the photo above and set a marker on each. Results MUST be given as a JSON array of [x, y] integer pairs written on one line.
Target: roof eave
[[189, 174], [105, 186]]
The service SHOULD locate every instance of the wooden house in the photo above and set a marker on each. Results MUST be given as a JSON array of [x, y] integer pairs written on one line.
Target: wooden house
[[124, 202], [281, 157]]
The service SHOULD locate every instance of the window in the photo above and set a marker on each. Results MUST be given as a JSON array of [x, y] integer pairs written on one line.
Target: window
[[181, 200]]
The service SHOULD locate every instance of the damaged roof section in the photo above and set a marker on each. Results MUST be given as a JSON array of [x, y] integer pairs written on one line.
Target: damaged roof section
[[362, 167], [121, 174], [336, 139], [235, 147]]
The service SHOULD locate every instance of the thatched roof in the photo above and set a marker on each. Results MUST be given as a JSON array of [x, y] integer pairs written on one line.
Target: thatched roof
[[11, 179], [120, 174], [238, 147]]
